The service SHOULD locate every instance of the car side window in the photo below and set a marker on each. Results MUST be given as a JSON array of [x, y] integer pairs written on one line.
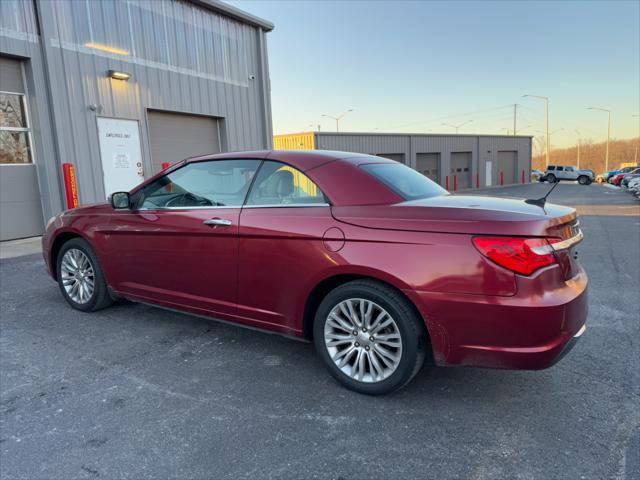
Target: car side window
[[559, 169], [551, 167], [568, 169], [214, 183], [280, 184]]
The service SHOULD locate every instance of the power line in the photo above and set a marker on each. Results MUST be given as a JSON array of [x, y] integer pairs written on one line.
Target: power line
[[447, 117]]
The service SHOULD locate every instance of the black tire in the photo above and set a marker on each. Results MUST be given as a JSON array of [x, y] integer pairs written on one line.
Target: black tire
[[100, 297], [410, 326], [551, 178], [583, 180]]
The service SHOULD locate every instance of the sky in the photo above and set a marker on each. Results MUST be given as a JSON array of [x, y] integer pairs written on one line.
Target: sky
[[410, 66]]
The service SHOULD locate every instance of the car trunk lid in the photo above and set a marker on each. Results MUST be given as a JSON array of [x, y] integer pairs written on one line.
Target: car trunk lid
[[475, 215]]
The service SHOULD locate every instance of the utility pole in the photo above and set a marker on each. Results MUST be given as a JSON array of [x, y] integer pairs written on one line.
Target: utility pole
[[606, 156], [515, 116], [338, 118], [546, 122]]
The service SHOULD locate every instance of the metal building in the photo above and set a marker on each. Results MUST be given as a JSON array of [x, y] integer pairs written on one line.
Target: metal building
[[117, 88], [456, 162]]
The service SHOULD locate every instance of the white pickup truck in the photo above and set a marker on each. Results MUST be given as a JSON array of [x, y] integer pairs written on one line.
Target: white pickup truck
[[556, 173]]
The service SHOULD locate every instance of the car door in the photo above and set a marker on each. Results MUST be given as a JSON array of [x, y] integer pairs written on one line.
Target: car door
[[560, 175], [570, 173], [281, 247], [178, 244]]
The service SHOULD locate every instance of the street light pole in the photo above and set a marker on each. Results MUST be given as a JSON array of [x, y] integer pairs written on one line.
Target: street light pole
[[457, 127], [606, 156], [338, 118], [546, 122]]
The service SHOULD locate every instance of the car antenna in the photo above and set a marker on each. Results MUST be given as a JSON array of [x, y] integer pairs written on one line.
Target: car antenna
[[540, 202]]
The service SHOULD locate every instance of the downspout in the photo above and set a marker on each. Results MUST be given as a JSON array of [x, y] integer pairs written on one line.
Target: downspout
[[265, 89]]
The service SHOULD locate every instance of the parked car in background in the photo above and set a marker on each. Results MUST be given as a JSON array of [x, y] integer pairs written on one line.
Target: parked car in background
[[557, 173], [611, 174], [634, 186], [617, 179], [627, 177], [376, 264]]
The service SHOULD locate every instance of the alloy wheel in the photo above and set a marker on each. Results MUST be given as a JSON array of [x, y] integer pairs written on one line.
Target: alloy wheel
[[77, 275], [363, 340]]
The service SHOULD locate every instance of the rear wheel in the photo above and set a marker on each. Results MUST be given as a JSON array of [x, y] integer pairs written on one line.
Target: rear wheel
[[80, 277], [369, 337], [583, 180]]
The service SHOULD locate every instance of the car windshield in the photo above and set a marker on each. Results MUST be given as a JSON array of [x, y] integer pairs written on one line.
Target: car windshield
[[406, 182]]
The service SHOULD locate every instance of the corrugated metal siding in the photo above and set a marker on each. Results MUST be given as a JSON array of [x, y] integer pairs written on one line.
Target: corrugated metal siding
[[489, 148], [370, 144], [19, 37], [182, 58], [481, 148], [294, 141]]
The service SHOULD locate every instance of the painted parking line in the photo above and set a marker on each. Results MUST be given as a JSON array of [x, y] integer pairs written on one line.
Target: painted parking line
[[608, 210]]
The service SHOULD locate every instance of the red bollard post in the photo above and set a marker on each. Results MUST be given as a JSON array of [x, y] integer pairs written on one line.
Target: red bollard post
[[455, 182], [477, 180], [501, 178], [447, 182], [70, 185]]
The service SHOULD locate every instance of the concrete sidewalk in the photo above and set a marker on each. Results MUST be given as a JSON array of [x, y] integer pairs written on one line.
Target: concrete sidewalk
[[18, 248]]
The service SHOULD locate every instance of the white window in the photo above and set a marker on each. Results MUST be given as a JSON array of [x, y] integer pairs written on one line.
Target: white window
[[15, 132]]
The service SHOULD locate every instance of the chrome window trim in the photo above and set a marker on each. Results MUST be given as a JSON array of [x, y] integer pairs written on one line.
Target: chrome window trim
[[216, 207], [195, 207], [287, 205]]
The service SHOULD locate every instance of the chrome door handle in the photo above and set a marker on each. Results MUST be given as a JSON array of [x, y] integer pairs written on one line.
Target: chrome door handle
[[217, 222]]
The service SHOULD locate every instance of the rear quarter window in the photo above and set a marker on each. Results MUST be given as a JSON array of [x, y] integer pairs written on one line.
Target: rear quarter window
[[405, 181]]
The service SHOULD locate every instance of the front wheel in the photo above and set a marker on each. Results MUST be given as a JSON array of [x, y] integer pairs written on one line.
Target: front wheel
[[370, 338], [80, 277], [551, 178]]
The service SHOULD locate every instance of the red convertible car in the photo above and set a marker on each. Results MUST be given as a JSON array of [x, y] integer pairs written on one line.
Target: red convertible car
[[379, 266]]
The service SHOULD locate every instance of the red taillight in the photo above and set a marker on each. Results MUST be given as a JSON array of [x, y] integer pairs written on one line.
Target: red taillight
[[520, 255]]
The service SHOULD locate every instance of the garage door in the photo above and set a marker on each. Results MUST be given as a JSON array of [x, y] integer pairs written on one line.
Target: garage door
[[508, 166], [20, 205], [398, 157], [174, 136], [461, 169], [428, 164]]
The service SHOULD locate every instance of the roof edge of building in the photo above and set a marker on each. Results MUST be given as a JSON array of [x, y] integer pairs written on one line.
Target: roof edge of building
[[235, 13], [378, 134]]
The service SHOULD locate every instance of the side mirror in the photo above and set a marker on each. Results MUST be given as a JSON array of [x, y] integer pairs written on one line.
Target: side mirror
[[120, 200]]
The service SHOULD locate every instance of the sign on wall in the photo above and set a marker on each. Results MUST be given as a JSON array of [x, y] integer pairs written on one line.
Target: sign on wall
[[121, 155], [488, 173]]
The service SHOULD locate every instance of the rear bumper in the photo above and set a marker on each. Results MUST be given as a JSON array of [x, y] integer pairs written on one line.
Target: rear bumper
[[531, 330]]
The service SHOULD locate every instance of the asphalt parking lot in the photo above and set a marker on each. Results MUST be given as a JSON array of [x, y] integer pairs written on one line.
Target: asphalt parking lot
[[138, 392]]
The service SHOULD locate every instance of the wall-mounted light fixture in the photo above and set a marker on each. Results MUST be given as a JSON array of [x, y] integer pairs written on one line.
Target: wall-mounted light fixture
[[119, 75]]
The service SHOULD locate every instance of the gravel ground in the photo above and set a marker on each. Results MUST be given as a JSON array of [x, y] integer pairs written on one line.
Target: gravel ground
[[138, 392]]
